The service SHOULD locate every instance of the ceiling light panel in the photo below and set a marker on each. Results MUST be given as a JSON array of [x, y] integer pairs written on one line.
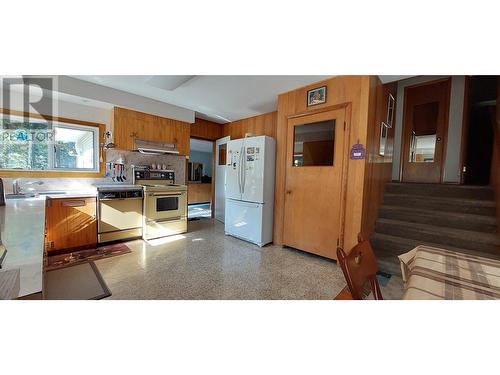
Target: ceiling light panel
[[168, 83]]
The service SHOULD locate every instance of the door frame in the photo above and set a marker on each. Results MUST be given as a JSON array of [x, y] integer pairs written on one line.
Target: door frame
[[345, 163], [404, 147], [215, 156]]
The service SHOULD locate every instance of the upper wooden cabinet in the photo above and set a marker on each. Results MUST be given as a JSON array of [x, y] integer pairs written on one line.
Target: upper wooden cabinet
[[129, 125], [204, 129]]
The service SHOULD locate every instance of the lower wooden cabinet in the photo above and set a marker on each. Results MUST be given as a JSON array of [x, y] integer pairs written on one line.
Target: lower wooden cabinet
[[70, 224], [199, 193]]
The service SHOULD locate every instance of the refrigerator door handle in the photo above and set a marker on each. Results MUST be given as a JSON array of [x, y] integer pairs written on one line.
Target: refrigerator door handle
[[239, 172], [243, 168]]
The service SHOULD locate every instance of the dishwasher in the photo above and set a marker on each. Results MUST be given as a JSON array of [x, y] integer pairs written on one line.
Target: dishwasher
[[119, 213]]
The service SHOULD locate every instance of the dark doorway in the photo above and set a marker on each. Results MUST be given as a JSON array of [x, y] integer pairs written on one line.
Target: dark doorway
[[482, 110]]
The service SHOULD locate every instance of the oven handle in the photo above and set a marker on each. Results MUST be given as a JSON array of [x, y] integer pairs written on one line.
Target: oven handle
[[167, 195], [166, 219]]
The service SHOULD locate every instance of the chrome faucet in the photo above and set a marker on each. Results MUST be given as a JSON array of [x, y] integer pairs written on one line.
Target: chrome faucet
[[17, 188]]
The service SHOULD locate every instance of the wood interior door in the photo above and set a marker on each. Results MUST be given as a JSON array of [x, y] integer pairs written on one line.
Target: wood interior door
[[425, 128], [314, 180]]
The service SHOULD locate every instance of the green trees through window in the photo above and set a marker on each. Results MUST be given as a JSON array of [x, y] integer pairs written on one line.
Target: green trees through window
[[40, 145]]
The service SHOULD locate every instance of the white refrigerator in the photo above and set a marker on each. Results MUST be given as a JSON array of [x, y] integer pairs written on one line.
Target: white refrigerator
[[250, 189]]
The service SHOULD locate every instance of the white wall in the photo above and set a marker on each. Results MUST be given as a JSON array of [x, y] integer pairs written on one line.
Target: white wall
[[68, 110], [77, 87], [452, 165]]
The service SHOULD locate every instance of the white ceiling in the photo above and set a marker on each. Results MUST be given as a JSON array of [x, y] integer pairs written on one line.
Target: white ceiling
[[217, 98]]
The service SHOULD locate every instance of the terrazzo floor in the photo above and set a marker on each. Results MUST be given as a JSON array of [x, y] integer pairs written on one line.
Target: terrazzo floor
[[199, 211], [206, 264]]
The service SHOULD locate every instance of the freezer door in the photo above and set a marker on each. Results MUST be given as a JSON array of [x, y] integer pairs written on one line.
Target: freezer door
[[253, 165], [244, 220], [233, 173]]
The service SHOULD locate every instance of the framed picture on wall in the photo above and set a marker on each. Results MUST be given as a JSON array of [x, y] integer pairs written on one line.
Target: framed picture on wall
[[316, 96]]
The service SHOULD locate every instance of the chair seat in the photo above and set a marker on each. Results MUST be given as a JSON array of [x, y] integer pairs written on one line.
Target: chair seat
[[344, 294]]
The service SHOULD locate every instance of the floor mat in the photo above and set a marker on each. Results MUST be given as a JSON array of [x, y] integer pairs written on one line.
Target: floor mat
[[83, 256], [77, 282]]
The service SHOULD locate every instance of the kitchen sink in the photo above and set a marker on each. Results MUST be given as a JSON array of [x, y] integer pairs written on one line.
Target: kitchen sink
[[33, 195], [19, 196]]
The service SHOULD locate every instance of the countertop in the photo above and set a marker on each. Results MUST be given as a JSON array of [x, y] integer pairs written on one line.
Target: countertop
[[22, 227], [22, 224], [72, 195]]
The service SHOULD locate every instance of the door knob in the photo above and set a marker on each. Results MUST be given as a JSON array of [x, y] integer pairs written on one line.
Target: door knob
[[289, 192], [438, 139]]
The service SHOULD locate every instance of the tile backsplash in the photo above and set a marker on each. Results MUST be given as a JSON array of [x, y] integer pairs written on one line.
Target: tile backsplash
[[174, 162]]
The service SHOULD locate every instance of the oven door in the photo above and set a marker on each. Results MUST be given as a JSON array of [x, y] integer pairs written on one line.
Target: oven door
[[165, 206]]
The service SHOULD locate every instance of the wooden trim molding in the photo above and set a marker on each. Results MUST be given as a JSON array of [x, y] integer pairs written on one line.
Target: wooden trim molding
[[58, 174], [318, 110]]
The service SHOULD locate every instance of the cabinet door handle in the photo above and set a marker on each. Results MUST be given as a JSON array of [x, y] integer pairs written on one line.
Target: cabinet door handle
[[79, 203]]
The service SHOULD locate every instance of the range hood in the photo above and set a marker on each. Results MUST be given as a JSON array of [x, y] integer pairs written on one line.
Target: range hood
[[154, 148]]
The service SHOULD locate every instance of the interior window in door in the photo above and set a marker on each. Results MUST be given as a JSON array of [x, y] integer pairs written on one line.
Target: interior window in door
[[424, 133], [222, 154], [313, 144]]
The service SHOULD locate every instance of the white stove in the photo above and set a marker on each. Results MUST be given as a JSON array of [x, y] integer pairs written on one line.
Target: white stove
[[165, 203]]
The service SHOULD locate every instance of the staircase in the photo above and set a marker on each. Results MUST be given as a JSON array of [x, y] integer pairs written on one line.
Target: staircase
[[455, 217]]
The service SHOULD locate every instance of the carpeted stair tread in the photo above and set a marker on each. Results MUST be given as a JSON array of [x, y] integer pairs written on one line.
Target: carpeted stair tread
[[486, 242], [388, 245], [446, 204], [442, 190], [458, 220]]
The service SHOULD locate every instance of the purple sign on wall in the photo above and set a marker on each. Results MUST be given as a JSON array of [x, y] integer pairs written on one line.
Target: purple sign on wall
[[358, 152]]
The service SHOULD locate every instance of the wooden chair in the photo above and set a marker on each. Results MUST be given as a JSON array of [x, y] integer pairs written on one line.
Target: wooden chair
[[360, 271]]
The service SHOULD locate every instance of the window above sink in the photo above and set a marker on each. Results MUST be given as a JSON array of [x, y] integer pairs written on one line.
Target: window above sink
[[48, 147]]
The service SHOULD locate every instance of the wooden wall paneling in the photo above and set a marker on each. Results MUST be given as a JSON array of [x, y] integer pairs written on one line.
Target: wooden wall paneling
[[286, 105], [465, 128], [352, 90], [257, 125], [208, 130], [495, 162], [378, 168]]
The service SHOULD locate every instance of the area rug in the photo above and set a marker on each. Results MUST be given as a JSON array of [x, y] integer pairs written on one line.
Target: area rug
[[55, 262], [78, 282], [383, 278]]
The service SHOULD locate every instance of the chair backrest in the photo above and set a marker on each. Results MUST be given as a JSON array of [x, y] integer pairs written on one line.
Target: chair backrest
[[359, 268]]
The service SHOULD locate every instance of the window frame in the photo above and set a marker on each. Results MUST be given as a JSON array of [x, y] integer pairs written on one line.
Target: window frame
[[98, 134], [294, 134], [95, 137]]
